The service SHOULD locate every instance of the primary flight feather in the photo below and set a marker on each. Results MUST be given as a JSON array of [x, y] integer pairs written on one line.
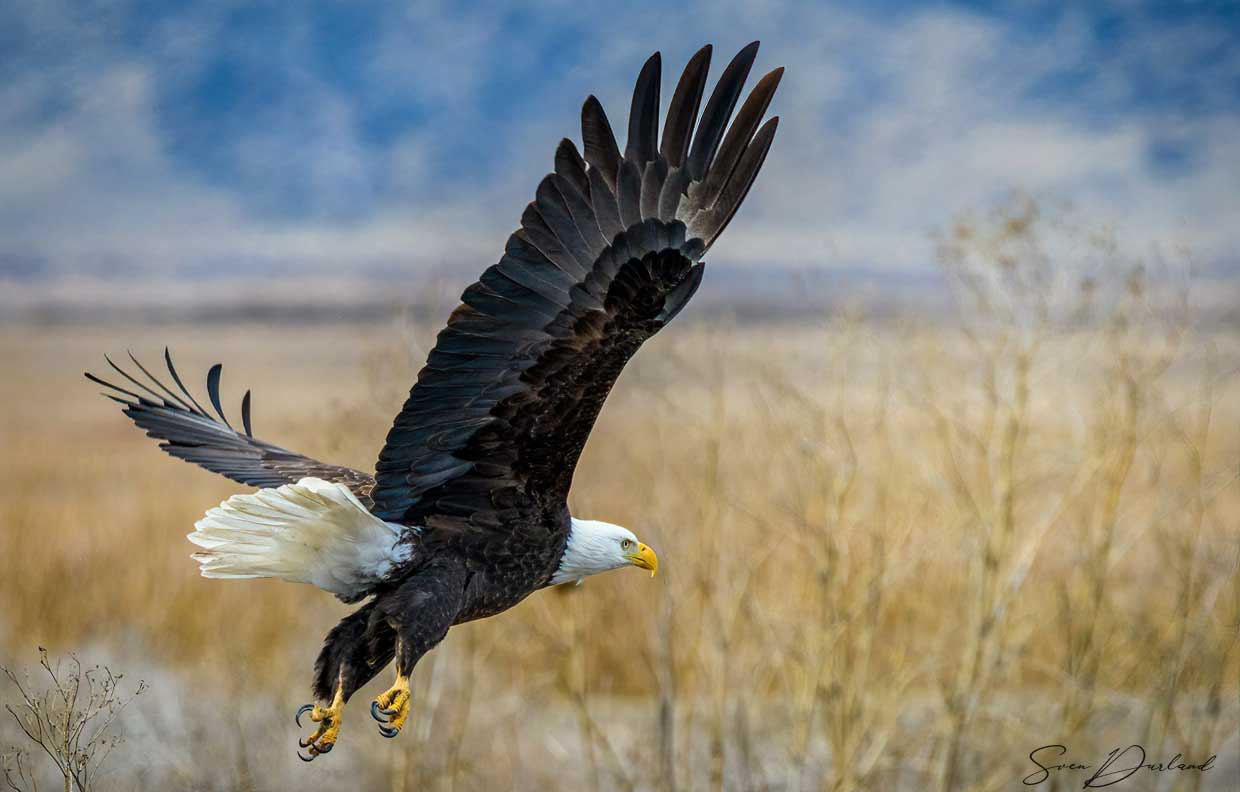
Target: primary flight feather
[[467, 512]]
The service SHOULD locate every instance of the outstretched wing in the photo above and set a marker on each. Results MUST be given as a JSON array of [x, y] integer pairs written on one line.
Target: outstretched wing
[[189, 432], [606, 255]]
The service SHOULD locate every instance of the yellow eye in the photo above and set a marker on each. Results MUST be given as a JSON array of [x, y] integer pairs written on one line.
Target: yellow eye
[[625, 544]]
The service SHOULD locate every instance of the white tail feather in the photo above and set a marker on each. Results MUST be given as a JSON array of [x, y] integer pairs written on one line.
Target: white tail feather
[[313, 531]]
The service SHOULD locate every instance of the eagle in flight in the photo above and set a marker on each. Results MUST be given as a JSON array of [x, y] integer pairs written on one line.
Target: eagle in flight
[[467, 511]]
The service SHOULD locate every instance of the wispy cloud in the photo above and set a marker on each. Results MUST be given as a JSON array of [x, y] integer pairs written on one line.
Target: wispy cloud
[[238, 138]]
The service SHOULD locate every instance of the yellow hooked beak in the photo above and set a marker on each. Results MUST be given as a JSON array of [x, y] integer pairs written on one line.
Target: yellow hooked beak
[[644, 558]]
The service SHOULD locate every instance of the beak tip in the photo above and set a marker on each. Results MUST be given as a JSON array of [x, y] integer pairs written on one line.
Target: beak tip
[[645, 558]]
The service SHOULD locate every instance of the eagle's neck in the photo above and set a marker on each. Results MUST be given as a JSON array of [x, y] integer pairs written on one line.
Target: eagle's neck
[[591, 548]]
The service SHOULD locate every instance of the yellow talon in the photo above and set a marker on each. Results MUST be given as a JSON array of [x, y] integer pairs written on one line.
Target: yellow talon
[[329, 719], [391, 707]]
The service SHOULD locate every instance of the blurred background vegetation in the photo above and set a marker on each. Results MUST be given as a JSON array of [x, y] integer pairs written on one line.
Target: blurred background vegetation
[[901, 546]]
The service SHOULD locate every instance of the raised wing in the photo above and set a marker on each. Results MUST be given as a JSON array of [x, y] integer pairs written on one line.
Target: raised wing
[[606, 255], [189, 432]]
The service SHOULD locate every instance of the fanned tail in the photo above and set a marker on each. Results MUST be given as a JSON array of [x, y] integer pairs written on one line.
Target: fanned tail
[[314, 531]]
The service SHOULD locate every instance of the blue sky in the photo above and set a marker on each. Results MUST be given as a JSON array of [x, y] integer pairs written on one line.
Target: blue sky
[[192, 138]]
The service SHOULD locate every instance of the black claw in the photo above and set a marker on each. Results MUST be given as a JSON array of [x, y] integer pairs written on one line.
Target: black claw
[[297, 719], [388, 712], [309, 758], [326, 749], [388, 733], [306, 743], [374, 711]]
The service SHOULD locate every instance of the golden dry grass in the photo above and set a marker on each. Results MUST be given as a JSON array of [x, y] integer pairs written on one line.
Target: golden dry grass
[[894, 556]]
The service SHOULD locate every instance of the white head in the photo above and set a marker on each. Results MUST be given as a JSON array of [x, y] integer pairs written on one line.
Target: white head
[[595, 546]]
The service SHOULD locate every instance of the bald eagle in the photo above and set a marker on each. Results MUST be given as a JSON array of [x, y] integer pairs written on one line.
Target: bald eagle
[[467, 511]]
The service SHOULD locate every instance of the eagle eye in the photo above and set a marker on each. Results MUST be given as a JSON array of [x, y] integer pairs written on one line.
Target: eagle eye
[[625, 544]]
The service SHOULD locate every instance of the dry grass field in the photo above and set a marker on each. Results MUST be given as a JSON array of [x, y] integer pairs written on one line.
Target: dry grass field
[[895, 555]]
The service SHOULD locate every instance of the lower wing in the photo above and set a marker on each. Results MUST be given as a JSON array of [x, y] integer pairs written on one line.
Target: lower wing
[[187, 431]]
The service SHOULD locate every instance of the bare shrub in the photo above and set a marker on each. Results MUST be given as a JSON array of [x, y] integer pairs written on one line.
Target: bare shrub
[[71, 720]]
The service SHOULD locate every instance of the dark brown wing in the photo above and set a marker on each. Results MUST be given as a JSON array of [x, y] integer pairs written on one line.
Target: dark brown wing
[[189, 432], [606, 255]]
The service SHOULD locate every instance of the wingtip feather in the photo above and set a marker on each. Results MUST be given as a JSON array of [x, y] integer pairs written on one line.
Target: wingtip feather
[[643, 140], [213, 391]]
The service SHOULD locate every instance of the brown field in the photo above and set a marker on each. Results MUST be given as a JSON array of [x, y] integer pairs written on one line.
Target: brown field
[[895, 555]]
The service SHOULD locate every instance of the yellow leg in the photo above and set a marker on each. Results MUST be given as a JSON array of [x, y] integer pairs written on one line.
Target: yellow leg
[[391, 707], [328, 718]]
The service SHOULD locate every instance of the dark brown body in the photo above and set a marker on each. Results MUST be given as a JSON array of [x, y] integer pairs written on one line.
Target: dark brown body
[[452, 577]]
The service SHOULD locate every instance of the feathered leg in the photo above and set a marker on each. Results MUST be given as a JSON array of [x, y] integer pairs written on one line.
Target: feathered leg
[[354, 651], [421, 611]]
